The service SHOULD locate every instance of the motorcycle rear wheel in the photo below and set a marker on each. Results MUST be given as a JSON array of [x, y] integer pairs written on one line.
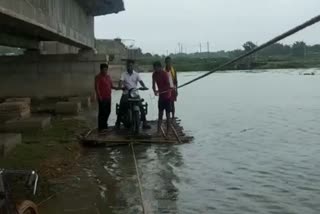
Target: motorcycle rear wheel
[[27, 207], [136, 122]]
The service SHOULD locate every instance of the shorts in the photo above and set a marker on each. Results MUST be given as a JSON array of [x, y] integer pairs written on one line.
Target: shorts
[[173, 96], [164, 105]]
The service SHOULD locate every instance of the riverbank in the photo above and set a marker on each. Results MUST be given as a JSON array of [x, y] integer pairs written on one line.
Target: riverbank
[[186, 64], [51, 152]]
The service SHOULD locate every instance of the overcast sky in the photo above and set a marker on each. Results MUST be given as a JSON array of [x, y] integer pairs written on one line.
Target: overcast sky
[[157, 26]]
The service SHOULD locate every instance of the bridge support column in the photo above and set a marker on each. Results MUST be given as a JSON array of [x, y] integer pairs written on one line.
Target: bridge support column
[[41, 76]]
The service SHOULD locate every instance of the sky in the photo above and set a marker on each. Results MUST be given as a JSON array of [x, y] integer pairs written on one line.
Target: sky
[[158, 26]]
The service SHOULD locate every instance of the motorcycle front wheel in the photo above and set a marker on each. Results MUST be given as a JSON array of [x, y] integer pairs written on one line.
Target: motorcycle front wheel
[[27, 207]]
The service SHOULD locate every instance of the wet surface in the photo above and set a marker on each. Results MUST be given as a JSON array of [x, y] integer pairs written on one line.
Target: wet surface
[[256, 150]]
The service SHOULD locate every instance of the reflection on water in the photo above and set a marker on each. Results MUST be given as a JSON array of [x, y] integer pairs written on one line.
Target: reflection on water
[[256, 150]]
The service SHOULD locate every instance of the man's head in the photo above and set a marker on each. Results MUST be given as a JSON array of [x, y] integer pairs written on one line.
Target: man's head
[[157, 66], [168, 61], [104, 68], [130, 64]]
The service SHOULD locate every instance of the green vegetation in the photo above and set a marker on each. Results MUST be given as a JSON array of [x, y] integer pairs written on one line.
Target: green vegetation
[[277, 56]]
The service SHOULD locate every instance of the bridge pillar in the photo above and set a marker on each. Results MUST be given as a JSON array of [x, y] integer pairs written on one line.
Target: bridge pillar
[[45, 76]]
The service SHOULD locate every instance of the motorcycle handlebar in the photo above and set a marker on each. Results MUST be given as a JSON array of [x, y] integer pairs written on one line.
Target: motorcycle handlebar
[[140, 89], [143, 89]]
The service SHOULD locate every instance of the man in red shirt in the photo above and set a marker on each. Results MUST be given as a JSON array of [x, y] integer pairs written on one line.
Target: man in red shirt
[[161, 79], [103, 88]]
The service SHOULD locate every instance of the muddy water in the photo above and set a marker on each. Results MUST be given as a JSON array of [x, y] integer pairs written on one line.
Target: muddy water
[[256, 150]]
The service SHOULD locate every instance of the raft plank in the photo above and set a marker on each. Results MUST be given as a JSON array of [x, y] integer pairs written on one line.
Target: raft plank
[[123, 136]]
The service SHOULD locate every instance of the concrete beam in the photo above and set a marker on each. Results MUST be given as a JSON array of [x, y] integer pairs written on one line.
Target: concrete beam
[[102, 7], [50, 20], [18, 41]]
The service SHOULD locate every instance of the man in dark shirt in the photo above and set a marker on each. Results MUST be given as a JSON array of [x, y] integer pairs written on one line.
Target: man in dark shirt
[[161, 79], [103, 88]]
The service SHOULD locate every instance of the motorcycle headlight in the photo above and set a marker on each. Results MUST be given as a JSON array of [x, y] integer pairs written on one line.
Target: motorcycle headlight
[[134, 93]]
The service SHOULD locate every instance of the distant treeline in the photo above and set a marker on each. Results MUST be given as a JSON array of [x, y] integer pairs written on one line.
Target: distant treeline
[[297, 55]]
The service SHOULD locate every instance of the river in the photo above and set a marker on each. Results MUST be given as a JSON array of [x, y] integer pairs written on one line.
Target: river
[[256, 150]]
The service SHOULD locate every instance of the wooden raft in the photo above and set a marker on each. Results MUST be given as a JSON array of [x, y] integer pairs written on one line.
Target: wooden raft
[[123, 136]]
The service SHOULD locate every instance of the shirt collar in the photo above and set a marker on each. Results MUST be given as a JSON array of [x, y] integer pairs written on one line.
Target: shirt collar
[[129, 73]]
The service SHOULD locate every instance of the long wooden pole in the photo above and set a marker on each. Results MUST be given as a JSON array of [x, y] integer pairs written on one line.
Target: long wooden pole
[[263, 46]]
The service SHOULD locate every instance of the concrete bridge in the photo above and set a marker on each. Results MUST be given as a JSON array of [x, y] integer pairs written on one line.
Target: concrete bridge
[[24, 23], [28, 23]]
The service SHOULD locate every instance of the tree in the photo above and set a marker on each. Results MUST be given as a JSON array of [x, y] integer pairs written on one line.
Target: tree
[[299, 49], [277, 49], [148, 55], [315, 49], [249, 46], [235, 53]]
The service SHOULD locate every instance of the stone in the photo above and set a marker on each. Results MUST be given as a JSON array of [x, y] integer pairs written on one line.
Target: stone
[[19, 99], [85, 101], [25, 125], [18, 115], [68, 108], [14, 110], [8, 142]]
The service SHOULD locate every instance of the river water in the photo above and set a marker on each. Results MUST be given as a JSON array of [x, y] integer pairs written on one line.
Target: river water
[[255, 150]]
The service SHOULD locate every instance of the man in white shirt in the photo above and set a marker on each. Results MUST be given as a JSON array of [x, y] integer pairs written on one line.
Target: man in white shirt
[[128, 81]]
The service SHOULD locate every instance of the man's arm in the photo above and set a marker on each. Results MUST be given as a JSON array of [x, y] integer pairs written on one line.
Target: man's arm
[[120, 84], [95, 84], [176, 81], [142, 84], [96, 87], [113, 87], [154, 86]]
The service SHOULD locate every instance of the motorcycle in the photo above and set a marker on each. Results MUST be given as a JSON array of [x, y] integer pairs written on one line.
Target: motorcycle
[[131, 119], [8, 205]]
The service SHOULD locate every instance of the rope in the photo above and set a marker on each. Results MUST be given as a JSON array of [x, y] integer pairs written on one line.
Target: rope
[[138, 178], [263, 46]]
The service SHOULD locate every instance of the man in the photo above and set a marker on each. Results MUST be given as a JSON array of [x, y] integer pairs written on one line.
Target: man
[[103, 87], [161, 79], [173, 78], [129, 80]]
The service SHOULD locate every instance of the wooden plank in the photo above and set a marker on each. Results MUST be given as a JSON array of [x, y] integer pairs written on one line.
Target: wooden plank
[[122, 143], [175, 133], [124, 137]]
